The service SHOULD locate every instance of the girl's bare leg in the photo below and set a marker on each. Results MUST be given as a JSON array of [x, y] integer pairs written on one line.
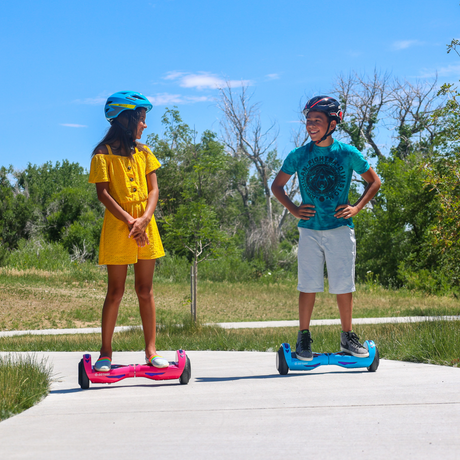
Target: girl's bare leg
[[143, 273], [115, 291]]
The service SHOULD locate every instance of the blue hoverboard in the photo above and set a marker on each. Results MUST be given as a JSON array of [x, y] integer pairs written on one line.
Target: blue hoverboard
[[285, 359]]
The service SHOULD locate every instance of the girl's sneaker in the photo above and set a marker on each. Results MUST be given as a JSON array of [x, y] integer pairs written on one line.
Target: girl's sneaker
[[103, 364], [303, 346], [157, 361], [349, 343]]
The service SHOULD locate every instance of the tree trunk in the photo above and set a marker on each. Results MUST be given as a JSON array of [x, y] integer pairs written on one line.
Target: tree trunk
[[193, 282]]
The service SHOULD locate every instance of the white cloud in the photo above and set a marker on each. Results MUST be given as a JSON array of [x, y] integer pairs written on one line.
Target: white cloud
[[99, 100], [273, 76], [73, 125], [178, 99], [173, 75], [203, 80], [404, 44], [449, 71]]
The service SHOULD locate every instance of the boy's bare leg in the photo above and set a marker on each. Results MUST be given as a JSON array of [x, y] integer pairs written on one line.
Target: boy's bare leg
[[115, 289], [306, 304], [345, 304]]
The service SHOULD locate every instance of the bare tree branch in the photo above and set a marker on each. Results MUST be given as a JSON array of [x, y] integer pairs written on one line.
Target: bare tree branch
[[378, 100], [244, 137]]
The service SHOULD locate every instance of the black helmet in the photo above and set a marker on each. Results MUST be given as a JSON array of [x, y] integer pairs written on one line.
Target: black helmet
[[325, 104]]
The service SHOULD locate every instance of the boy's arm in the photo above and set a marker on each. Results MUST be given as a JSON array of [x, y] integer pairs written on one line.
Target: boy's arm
[[346, 211], [304, 211]]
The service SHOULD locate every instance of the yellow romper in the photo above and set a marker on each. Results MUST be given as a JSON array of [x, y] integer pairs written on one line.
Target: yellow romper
[[128, 187]]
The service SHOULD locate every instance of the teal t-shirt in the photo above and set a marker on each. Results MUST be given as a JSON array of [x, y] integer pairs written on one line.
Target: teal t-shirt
[[324, 177]]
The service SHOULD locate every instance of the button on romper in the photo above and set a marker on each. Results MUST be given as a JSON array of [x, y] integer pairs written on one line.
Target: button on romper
[[128, 187]]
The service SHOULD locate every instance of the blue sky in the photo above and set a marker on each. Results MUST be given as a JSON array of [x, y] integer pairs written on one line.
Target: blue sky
[[60, 60]]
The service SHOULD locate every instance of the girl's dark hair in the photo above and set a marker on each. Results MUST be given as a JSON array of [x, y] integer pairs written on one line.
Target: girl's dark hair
[[120, 135]]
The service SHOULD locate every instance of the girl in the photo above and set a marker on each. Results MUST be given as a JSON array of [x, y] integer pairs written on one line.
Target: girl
[[124, 173]]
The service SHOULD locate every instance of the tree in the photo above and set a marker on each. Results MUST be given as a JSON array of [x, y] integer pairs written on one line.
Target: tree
[[394, 234], [193, 183], [443, 178], [379, 101], [16, 212], [53, 202], [248, 142]]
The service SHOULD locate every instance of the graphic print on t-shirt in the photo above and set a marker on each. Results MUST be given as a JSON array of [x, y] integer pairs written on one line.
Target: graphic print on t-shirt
[[323, 178]]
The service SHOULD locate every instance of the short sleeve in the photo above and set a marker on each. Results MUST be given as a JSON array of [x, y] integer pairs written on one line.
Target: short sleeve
[[99, 171], [290, 163], [358, 162], [151, 163]]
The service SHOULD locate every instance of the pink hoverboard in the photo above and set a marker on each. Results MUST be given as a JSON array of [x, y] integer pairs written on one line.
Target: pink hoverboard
[[180, 369]]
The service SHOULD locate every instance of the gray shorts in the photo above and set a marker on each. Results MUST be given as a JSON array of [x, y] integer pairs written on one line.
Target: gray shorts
[[336, 247]]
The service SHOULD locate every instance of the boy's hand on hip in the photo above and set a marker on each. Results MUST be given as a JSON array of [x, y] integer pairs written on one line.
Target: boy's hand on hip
[[304, 211], [345, 211]]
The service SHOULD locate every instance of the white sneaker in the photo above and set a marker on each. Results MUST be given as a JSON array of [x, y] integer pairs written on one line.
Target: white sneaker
[[157, 361], [103, 364]]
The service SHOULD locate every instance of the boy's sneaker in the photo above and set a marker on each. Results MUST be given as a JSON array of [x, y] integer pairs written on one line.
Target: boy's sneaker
[[349, 343], [303, 346]]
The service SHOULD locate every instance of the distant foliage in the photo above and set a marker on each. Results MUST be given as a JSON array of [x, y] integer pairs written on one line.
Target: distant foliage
[[214, 204], [49, 204]]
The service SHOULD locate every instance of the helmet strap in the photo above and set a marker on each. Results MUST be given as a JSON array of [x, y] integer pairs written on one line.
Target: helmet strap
[[327, 133]]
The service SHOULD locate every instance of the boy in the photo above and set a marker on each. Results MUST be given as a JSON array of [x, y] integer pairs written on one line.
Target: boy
[[324, 168]]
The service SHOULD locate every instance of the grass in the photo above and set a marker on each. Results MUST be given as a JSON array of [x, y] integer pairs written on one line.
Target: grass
[[23, 383], [434, 342], [35, 299]]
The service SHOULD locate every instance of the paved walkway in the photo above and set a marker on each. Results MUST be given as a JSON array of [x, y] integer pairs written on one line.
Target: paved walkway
[[236, 405], [247, 325]]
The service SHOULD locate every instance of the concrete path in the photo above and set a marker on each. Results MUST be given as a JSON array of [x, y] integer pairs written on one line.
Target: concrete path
[[237, 406]]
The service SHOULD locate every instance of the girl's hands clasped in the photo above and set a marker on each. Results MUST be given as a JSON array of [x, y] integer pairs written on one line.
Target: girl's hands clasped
[[137, 231]]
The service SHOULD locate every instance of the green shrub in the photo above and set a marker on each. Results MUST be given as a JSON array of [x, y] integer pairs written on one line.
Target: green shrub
[[431, 282], [172, 268], [232, 268], [81, 238], [37, 253]]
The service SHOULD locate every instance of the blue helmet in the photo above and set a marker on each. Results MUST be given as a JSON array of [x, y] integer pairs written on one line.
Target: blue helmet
[[125, 100]]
